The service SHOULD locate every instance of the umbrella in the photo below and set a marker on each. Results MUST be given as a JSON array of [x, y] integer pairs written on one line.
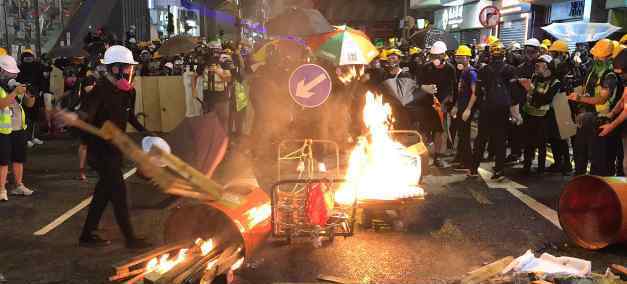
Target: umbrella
[[199, 141], [577, 32], [177, 45], [68, 51], [427, 38], [299, 22], [344, 46], [283, 46]]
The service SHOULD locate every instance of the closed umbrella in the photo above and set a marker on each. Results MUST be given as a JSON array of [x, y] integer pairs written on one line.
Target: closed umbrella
[[299, 22], [344, 46], [578, 32]]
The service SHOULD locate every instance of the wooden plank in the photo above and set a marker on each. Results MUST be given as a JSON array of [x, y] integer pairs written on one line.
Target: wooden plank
[[151, 103], [334, 279], [152, 254], [488, 271]]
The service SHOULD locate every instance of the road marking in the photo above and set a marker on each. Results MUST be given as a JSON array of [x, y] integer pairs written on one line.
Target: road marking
[[542, 209], [65, 216], [513, 188]]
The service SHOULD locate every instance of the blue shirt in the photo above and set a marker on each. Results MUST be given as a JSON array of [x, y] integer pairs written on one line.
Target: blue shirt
[[467, 78]]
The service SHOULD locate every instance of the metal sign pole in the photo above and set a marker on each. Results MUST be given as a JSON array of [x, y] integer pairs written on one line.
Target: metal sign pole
[[6, 25], [38, 30]]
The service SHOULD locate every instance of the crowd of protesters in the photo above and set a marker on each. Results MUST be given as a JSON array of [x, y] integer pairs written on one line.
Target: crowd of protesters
[[523, 98]]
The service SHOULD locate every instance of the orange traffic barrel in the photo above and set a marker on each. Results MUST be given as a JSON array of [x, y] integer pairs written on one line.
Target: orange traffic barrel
[[593, 211]]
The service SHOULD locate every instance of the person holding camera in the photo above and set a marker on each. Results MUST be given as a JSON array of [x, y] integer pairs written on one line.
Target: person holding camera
[[13, 134], [215, 79], [32, 74]]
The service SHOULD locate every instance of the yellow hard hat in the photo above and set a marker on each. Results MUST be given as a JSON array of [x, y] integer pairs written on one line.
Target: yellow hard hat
[[414, 50], [603, 48], [544, 46], [3, 51], [546, 42], [617, 49], [463, 50], [559, 46], [623, 40], [28, 51], [492, 40], [497, 48]]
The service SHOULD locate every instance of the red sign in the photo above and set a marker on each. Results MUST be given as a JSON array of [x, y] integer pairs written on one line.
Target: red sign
[[490, 16]]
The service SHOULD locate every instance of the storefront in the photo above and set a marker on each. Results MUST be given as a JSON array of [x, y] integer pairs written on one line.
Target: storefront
[[515, 22], [33, 24], [174, 17], [462, 20]]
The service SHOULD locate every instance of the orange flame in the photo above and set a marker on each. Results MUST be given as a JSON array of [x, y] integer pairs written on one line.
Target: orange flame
[[380, 168], [164, 262]]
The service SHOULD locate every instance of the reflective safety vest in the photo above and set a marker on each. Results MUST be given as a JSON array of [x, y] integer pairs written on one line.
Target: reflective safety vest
[[6, 127], [541, 88], [596, 91]]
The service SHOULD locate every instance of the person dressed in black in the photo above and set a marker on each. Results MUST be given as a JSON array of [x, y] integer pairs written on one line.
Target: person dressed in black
[[111, 100], [495, 102]]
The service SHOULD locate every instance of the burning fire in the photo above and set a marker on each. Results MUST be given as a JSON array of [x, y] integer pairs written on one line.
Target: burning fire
[[380, 168], [164, 262]]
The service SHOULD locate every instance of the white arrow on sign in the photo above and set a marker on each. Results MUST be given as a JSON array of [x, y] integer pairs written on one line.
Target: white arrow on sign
[[304, 90], [513, 188]]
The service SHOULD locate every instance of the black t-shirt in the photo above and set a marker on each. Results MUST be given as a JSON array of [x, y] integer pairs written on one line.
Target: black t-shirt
[[444, 78]]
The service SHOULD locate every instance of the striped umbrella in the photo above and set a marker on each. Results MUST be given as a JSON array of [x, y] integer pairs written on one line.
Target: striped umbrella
[[344, 46]]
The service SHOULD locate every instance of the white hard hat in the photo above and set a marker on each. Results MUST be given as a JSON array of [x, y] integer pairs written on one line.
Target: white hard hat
[[152, 141], [533, 42], [169, 65], [118, 54], [8, 63], [439, 47], [515, 46]]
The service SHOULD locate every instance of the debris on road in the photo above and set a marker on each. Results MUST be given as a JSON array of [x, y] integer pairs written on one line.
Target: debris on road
[[489, 271], [550, 264]]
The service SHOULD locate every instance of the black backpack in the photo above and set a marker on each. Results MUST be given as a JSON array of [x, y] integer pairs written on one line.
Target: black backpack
[[497, 92]]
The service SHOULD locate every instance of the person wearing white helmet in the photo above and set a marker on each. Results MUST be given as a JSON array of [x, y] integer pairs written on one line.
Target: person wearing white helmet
[[440, 79], [13, 135], [524, 70], [112, 99], [514, 54], [540, 92]]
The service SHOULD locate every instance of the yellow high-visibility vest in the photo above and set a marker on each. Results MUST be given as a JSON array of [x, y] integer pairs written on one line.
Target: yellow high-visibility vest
[[5, 116]]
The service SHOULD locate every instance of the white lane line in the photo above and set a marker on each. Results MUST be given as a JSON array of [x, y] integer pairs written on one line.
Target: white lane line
[[513, 188], [65, 216], [542, 209]]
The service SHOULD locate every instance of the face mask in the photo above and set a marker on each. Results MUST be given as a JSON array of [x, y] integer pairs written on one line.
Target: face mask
[[28, 59], [437, 62], [460, 66], [123, 85]]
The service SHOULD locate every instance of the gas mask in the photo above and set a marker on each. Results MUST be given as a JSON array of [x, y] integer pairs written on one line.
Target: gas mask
[[5, 77], [123, 75]]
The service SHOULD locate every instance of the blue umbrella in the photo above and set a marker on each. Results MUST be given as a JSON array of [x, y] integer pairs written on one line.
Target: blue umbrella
[[576, 32]]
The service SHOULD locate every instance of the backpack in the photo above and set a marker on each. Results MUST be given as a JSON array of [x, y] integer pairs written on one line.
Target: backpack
[[497, 93]]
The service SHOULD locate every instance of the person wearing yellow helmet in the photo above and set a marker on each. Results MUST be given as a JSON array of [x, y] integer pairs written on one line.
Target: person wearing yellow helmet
[[547, 42], [3, 51], [464, 105], [617, 49], [494, 81], [623, 39], [595, 104]]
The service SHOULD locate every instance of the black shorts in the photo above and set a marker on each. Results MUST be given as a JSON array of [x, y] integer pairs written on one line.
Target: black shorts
[[13, 147]]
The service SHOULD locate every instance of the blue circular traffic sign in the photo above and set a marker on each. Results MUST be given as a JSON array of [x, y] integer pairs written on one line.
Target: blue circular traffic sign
[[310, 85]]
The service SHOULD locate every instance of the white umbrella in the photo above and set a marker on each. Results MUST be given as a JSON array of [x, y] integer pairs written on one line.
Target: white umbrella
[[577, 32]]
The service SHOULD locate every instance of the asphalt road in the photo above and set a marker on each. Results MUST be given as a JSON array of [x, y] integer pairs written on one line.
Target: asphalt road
[[462, 225]]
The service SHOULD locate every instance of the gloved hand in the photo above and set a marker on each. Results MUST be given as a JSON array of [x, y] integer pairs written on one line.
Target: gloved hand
[[454, 112], [514, 112], [430, 89], [466, 115]]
